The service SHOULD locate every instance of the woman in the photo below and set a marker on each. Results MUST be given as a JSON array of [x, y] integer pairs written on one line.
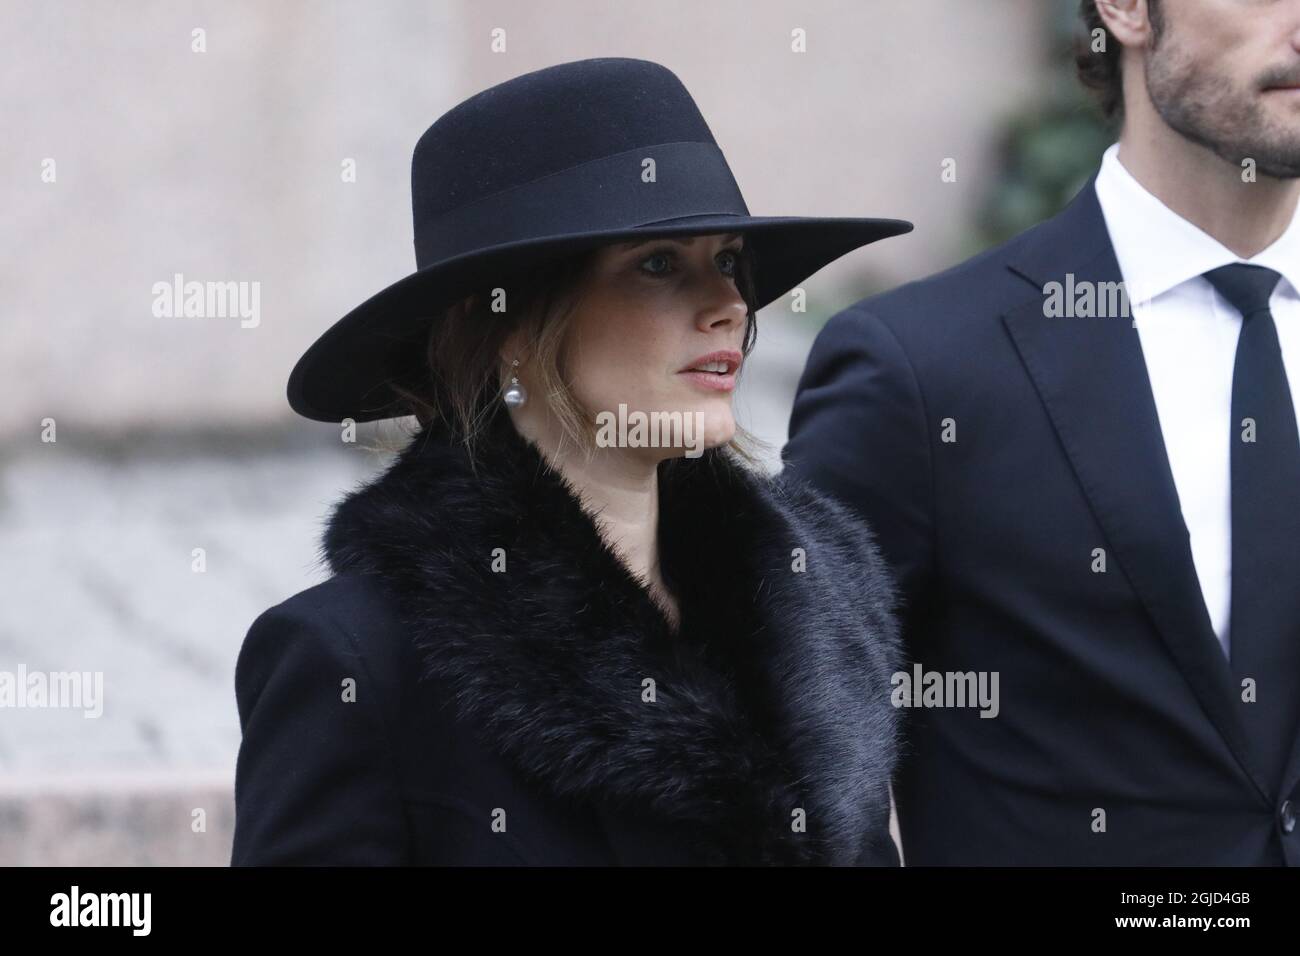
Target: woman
[[549, 639]]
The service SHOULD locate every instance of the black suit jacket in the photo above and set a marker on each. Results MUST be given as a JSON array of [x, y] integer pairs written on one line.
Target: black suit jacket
[[1117, 706]]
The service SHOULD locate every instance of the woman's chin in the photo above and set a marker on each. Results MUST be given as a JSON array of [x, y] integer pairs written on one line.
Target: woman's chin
[[715, 431], [681, 432], [719, 428]]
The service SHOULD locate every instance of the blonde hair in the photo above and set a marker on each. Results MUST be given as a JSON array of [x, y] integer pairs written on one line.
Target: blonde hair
[[465, 374]]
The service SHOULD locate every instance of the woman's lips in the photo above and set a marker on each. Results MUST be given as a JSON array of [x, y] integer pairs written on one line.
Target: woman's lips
[[716, 381]]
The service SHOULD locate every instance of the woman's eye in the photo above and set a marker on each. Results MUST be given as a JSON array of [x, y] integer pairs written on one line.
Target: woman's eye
[[729, 259], [659, 263]]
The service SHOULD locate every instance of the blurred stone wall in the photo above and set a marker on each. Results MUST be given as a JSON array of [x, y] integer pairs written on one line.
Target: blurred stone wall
[[131, 158]]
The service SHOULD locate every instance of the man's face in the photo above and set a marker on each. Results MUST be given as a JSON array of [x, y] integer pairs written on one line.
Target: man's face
[[1226, 75]]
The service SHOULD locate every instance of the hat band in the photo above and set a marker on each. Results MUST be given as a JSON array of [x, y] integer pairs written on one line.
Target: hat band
[[620, 191]]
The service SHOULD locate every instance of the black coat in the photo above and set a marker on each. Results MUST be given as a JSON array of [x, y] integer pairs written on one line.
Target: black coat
[[1116, 695], [545, 713]]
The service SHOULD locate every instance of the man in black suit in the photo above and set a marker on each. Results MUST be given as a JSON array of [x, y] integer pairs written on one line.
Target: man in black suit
[[1080, 455]]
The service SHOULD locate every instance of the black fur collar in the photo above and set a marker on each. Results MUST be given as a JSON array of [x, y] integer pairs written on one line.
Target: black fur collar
[[773, 697]]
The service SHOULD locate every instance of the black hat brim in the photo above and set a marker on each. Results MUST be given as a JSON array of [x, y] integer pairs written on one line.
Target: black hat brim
[[347, 371]]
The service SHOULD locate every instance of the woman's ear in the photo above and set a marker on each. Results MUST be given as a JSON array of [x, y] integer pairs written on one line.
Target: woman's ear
[[511, 350]]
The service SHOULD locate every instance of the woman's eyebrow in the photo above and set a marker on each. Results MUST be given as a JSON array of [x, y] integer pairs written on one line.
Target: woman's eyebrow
[[679, 240]]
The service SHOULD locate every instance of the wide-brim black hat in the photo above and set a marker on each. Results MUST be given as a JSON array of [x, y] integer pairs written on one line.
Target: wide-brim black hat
[[551, 163]]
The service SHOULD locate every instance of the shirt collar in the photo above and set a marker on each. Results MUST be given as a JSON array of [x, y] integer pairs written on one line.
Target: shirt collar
[[1158, 249]]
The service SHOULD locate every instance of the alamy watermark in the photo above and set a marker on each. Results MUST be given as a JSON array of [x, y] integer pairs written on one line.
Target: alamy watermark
[[1086, 299], [922, 688], [56, 690], [659, 429], [208, 300], [128, 910]]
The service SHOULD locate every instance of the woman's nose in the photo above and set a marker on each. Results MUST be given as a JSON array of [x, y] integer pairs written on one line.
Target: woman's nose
[[724, 305]]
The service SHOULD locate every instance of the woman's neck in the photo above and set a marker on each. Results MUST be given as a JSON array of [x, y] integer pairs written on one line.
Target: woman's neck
[[619, 489]]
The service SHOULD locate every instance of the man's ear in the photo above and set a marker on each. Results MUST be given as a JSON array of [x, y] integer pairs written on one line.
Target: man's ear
[[1129, 21]]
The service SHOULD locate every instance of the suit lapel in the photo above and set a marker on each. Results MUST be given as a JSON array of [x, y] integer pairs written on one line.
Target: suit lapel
[[1091, 375]]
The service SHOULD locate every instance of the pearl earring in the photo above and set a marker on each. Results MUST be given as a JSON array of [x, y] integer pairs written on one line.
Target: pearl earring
[[516, 394]]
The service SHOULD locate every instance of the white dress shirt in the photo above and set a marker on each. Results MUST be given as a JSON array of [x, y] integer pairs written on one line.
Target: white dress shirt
[[1189, 340]]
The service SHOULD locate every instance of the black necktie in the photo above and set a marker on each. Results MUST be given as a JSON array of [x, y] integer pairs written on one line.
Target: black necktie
[[1265, 615]]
